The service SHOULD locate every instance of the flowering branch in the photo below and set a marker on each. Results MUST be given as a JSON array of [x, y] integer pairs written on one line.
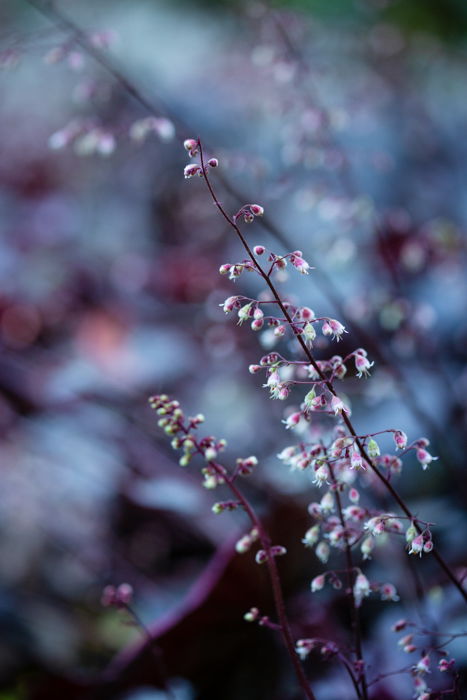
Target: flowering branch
[[215, 474], [203, 171]]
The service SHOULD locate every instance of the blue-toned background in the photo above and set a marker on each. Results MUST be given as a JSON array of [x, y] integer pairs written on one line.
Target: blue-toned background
[[347, 122]]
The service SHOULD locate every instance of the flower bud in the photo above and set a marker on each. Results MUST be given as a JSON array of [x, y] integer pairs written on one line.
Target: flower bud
[[293, 420], [361, 589], [261, 556], [322, 551], [400, 438], [191, 170], [256, 210], [416, 546], [354, 496], [191, 145], [309, 398], [311, 536], [251, 615], [399, 625], [367, 547], [318, 583], [309, 332]]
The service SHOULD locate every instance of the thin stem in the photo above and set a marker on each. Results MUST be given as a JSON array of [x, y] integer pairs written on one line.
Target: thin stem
[[272, 570], [326, 380], [356, 629], [276, 588], [157, 652]]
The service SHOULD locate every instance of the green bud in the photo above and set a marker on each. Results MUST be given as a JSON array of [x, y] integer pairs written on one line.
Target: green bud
[[373, 448]]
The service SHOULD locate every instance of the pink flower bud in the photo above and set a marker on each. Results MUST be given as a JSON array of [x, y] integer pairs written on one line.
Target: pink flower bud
[[124, 593], [300, 264], [362, 365], [254, 369], [279, 331], [213, 162], [257, 324], [318, 583], [256, 210], [399, 625], [314, 509], [191, 170], [423, 665], [257, 313], [292, 420], [259, 249], [400, 438], [388, 592], [424, 457], [306, 314], [333, 328], [356, 461], [191, 146], [416, 546], [230, 302], [403, 641], [445, 664], [337, 405]]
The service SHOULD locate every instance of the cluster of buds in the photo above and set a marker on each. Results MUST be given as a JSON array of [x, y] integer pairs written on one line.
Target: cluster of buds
[[337, 466], [245, 543], [298, 261], [327, 649], [245, 465], [87, 139], [333, 328], [57, 54], [424, 664], [234, 271], [248, 212], [174, 423], [191, 170], [162, 127], [117, 596], [263, 555], [223, 506], [254, 615], [419, 542], [383, 522], [192, 146]]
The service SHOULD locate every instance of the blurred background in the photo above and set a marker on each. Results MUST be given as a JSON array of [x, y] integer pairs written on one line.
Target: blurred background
[[346, 120]]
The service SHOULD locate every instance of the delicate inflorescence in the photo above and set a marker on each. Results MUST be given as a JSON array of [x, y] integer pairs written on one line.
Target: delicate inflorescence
[[340, 461]]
